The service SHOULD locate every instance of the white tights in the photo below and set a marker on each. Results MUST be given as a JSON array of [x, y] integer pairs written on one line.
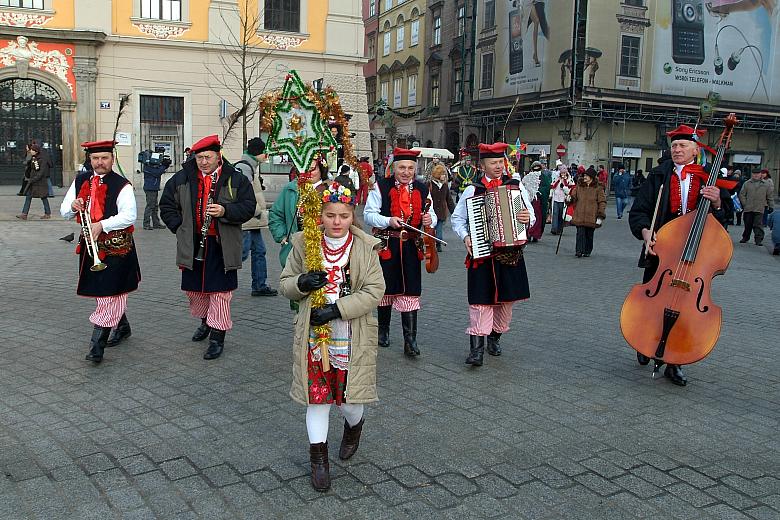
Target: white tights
[[318, 415]]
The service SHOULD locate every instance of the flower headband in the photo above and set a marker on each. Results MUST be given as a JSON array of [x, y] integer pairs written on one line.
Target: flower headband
[[338, 193]]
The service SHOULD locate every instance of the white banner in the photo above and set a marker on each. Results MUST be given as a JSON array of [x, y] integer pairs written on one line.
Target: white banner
[[632, 153], [744, 158]]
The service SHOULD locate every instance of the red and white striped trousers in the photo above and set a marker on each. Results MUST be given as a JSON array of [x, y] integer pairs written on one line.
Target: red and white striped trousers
[[484, 319], [401, 303], [215, 307], [109, 310]]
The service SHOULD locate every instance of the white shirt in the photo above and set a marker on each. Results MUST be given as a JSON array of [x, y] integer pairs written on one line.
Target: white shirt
[[371, 213], [125, 205], [685, 185], [460, 218]]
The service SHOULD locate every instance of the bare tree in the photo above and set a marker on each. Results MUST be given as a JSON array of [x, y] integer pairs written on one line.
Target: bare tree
[[242, 70]]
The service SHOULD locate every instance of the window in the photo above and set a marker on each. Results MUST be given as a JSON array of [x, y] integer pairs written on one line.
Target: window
[[437, 30], [490, 14], [386, 47], [435, 90], [283, 15], [458, 84], [461, 20], [411, 95], [29, 4], [398, 85], [162, 123], [414, 37], [629, 56], [383, 91], [372, 8], [371, 46], [161, 9], [634, 3], [371, 92], [388, 5], [487, 70], [399, 39]]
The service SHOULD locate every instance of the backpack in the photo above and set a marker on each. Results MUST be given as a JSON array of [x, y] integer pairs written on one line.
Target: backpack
[[242, 161]]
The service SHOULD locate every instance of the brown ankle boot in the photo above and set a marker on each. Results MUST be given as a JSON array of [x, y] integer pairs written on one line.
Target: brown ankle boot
[[351, 439], [320, 467]]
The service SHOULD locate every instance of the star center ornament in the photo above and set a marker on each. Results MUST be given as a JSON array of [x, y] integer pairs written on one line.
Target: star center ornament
[[298, 129]]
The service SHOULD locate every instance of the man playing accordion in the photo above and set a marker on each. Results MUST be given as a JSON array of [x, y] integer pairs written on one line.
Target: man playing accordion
[[495, 281]]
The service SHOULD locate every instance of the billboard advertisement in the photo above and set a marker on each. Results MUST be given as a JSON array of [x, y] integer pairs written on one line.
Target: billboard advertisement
[[724, 46], [533, 39]]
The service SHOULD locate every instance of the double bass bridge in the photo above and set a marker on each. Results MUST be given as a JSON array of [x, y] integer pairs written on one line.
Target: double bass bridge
[[681, 284]]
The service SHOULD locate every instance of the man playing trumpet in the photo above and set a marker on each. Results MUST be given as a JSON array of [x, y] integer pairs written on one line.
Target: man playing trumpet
[[104, 203]]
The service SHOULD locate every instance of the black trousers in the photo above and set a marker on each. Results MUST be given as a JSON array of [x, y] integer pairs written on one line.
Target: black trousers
[[584, 240], [151, 213], [753, 223]]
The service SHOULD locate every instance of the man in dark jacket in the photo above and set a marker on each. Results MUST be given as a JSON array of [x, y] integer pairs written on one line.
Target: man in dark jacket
[[154, 165], [622, 184], [204, 204], [681, 195]]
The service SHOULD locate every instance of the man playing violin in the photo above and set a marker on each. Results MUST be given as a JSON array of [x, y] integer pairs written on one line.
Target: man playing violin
[[393, 202], [497, 281], [682, 192]]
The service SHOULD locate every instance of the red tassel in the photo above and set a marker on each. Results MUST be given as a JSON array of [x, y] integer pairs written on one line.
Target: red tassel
[[78, 249], [101, 255], [420, 255], [385, 254]]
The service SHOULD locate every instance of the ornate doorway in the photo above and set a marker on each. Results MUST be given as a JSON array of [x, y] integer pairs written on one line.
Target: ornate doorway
[[29, 111]]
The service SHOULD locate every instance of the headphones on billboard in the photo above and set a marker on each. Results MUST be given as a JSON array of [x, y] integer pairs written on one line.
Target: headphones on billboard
[[736, 57]]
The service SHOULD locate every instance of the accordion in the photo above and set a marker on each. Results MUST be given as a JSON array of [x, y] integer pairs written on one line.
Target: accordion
[[493, 220]]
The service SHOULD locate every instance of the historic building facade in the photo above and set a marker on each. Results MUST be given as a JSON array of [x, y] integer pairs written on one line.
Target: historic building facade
[[65, 65]]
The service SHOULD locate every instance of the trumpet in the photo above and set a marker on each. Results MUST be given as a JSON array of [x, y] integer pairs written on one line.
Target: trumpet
[[89, 240]]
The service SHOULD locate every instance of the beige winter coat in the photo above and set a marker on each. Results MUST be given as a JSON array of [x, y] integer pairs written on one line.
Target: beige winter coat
[[260, 220], [368, 287]]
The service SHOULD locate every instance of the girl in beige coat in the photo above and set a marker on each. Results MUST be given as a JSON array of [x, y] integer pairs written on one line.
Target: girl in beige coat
[[353, 285]]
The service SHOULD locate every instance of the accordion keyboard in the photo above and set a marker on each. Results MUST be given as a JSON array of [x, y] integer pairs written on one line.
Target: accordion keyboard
[[480, 243]]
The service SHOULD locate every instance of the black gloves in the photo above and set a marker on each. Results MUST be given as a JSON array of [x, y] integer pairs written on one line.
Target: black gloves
[[312, 281], [324, 315]]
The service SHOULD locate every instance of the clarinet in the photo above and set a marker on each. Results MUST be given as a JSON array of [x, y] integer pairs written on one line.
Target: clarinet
[[204, 230]]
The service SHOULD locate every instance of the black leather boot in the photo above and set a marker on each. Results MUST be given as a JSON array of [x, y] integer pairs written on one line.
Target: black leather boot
[[320, 467], [216, 344], [351, 439], [675, 373], [493, 345], [476, 351], [202, 332], [642, 359], [383, 315], [409, 325], [120, 333], [98, 343]]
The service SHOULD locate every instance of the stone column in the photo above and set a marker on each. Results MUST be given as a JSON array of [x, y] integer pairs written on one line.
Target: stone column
[[71, 151], [85, 70]]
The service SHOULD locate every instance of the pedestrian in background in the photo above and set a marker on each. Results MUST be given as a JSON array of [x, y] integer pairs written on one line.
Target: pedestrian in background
[[755, 197], [768, 179], [589, 210], [37, 174], [153, 171], [736, 175], [443, 205], [560, 190], [251, 230], [622, 184]]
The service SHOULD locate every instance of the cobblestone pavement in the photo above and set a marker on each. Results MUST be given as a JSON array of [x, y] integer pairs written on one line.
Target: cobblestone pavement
[[564, 425]]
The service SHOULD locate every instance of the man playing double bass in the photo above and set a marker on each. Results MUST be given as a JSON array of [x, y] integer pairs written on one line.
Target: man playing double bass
[[497, 281], [682, 192], [394, 201]]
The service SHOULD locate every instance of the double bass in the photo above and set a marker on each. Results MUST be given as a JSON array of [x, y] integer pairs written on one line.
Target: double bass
[[672, 318]]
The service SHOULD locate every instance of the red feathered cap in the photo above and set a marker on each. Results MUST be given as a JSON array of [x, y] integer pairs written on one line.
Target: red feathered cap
[[209, 143], [98, 146], [687, 133], [402, 154], [490, 151]]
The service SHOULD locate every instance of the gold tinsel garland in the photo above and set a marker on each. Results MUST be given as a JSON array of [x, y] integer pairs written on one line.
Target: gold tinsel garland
[[310, 205], [329, 107]]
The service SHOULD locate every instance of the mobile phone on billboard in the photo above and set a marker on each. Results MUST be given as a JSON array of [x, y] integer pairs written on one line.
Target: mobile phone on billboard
[[688, 31], [515, 42]]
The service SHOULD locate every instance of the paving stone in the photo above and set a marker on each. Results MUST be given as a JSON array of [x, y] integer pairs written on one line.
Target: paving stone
[[177, 469], [457, 484]]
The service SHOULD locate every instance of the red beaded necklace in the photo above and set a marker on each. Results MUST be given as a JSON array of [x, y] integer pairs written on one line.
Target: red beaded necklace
[[332, 256]]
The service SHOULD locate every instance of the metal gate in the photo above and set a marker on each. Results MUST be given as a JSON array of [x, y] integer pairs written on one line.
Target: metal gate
[[28, 112]]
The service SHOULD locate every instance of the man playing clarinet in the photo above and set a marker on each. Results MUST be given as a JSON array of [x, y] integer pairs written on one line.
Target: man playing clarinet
[[107, 200], [682, 192], [497, 281], [204, 204], [393, 202]]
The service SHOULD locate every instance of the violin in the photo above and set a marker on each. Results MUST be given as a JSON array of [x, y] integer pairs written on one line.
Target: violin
[[430, 253], [672, 318]]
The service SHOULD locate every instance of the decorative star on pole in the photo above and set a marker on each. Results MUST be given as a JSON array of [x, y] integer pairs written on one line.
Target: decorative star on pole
[[298, 128]]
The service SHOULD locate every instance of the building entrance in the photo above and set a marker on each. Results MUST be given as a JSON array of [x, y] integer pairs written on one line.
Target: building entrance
[[28, 112]]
